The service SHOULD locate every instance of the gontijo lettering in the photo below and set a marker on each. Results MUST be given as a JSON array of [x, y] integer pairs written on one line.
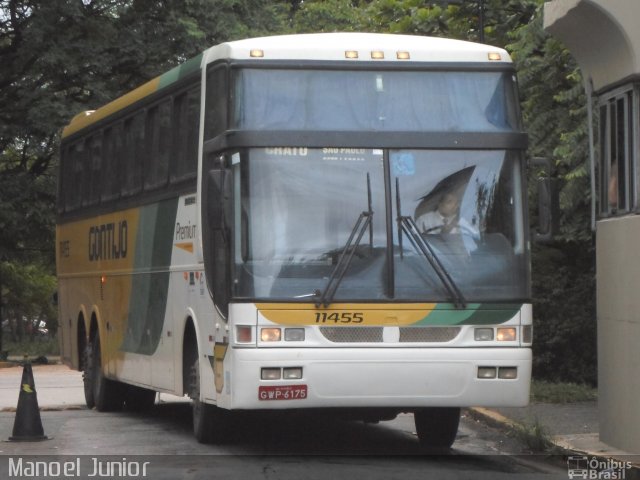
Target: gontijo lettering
[[108, 241]]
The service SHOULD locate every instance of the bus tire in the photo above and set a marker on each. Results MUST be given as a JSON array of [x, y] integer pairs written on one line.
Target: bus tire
[[437, 427], [138, 399], [203, 414], [87, 375], [107, 394]]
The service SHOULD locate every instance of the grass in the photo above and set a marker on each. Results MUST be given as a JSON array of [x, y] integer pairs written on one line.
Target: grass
[[38, 347], [548, 392], [534, 436]]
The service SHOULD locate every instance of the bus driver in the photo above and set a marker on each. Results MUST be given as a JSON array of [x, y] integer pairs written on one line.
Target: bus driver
[[445, 218]]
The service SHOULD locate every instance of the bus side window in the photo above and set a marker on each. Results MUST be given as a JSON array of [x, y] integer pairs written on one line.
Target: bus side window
[[65, 190], [158, 149], [216, 104], [186, 123], [112, 155], [76, 176], [92, 176], [133, 155]]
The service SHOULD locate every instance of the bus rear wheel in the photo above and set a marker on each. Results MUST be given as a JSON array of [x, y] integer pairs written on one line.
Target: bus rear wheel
[[107, 394], [87, 375], [437, 427]]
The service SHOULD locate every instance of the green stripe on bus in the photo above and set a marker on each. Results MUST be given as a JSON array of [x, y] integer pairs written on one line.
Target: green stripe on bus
[[181, 71], [473, 314], [150, 287]]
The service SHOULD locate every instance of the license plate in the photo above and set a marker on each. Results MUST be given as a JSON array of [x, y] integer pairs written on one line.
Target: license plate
[[283, 392]]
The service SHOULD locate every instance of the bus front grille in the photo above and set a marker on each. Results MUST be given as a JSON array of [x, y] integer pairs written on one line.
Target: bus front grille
[[392, 335], [428, 334]]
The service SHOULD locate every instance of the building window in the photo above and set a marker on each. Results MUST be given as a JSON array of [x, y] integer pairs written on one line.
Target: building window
[[618, 151]]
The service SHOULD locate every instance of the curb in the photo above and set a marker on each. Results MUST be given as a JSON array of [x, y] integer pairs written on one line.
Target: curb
[[561, 448]]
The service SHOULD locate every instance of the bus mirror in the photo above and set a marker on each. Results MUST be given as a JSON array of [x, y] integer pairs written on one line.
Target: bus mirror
[[548, 202]]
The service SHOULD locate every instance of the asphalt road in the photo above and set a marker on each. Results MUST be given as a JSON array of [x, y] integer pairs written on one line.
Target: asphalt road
[[266, 447]]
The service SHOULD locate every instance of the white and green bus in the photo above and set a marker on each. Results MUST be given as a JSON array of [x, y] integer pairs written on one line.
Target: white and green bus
[[330, 222]]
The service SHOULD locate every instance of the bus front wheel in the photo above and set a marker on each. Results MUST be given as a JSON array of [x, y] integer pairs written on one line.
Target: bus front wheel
[[204, 415], [437, 427]]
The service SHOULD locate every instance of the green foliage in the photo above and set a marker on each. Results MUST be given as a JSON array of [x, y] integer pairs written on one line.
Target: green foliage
[[27, 294], [534, 435], [60, 57], [561, 392], [326, 16], [554, 110], [33, 347]]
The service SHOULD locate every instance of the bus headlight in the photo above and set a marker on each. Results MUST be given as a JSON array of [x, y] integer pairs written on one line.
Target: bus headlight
[[294, 334], [483, 334], [270, 334], [506, 334]]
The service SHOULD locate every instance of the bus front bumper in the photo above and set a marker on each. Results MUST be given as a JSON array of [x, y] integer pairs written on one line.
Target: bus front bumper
[[373, 377]]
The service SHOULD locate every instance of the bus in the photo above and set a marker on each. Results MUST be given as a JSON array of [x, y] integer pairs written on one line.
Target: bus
[[328, 223]]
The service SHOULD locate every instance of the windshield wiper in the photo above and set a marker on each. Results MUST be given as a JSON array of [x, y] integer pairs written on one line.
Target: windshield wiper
[[408, 225], [357, 232]]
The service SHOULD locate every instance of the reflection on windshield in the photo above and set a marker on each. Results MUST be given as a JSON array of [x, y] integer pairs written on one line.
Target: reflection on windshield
[[279, 99], [296, 210]]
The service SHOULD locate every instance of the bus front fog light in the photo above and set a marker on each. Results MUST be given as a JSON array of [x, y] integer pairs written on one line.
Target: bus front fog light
[[294, 334], [270, 334], [292, 373], [506, 335], [483, 334], [508, 373], [271, 374], [486, 372]]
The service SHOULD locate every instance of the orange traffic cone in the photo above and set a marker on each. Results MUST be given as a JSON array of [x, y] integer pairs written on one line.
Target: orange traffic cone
[[28, 425]]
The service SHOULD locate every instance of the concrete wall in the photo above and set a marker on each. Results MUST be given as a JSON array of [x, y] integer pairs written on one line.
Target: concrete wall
[[618, 311], [602, 35]]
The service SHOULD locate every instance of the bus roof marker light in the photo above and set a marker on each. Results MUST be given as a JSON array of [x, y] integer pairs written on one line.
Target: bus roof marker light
[[377, 55], [403, 55], [351, 54], [256, 53], [495, 56]]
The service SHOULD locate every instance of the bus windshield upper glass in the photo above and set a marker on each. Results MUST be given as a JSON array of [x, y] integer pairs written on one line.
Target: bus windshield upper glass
[[295, 209], [317, 100]]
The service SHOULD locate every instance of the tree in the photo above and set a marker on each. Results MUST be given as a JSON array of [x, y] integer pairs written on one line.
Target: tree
[[61, 57], [554, 108]]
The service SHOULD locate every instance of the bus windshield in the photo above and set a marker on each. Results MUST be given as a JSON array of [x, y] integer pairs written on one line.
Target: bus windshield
[[295, 209], [407, 101]]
